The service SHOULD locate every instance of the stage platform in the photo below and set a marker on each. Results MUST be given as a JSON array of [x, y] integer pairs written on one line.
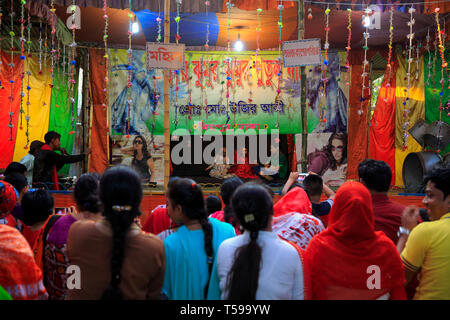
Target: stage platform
[[153, 198]]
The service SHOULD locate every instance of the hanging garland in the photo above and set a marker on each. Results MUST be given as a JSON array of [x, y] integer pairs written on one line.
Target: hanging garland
[[207, 61], [130, 33], [348, 48], [325, 67], [443, 65], [365, 62], [427, 47], [391, 37], [72, 79], [22, 57], [177, 21], [53, 50], [106, 56], [406, 111], [280, 70], [228, 59], [11, 65]]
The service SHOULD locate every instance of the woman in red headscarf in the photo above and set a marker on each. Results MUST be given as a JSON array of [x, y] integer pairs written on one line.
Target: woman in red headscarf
[[350, 260]]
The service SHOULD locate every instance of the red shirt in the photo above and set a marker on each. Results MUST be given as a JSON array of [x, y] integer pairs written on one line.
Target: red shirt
[[388, 215]]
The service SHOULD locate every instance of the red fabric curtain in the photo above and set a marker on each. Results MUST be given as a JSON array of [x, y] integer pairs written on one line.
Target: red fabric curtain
[[357, 123], [99, 127], [7, 74], [382, 125]]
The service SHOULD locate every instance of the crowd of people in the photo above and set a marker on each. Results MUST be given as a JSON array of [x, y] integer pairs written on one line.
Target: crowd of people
[[357, 244]]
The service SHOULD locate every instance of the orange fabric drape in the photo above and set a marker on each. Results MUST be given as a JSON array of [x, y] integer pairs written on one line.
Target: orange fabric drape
[[99, 127], [382, 125], [8, 74]]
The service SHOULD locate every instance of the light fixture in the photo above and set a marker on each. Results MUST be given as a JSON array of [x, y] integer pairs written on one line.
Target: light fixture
[[135, 26], [238, 45]]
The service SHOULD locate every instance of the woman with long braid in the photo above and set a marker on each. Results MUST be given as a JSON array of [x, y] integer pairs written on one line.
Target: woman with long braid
[[191, 250], [257, 265], [116, 259]]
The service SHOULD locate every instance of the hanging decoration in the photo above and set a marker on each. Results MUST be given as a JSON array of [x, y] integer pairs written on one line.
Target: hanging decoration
[[443, 65], [72, 80], [130, 33], [391, 37], [177, 21], [406, 110], [22, 57], [427, 47], [106, 56], [206, 64], [228, 59], [11, 65], [310, 14], [365, 62], [207, 25], [53, 49], [40, 46], [323, 92], [348, 48], [258, 29], [280, 70], [158, 20]]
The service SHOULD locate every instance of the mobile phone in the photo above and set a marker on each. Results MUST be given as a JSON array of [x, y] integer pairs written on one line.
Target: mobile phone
[[301, 177]]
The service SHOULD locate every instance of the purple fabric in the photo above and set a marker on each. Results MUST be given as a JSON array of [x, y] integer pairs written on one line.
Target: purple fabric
[[60, 230]]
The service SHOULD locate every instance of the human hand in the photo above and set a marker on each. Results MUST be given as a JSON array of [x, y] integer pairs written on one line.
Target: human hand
[[72, 211], [409, 217], [293, 176]]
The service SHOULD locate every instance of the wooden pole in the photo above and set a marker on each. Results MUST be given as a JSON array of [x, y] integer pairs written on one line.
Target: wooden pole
[[301, 36], [166, 99]]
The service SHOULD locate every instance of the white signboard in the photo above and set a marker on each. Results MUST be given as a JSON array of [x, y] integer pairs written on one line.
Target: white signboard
[[301, 53], [165, 56]]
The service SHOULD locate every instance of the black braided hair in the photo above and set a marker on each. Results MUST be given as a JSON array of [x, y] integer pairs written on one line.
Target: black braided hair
[[188, 194], [253, 206], [86, 192], [121, 194], [226, 192]]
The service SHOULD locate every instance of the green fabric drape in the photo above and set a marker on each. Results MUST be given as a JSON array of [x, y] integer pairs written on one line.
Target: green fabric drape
[[61, 112], [433, 89]]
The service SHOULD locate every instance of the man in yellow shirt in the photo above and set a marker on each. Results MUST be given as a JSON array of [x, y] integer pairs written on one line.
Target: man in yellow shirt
[[425, 248]]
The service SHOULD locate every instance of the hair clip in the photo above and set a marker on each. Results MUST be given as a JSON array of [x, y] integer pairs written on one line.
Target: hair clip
[[121, 208], [249, 217]]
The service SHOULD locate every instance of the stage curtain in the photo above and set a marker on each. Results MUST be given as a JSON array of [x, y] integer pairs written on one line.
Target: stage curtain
[[432, 90], [39, 107], [416, 107], [357, 123], [61, 112], [382, 124], [6, 75], [99, 129]]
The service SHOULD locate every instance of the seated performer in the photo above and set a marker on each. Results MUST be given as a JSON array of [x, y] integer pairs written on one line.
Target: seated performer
[[48, 162], [219, 168]]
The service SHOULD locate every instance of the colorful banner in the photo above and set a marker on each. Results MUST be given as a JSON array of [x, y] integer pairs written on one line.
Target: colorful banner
[[39, 107], [165, 56], [10, 85], [220, 89]]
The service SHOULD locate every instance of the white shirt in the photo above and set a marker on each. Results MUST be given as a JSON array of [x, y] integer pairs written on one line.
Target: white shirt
[[28, 161], [280, 273]]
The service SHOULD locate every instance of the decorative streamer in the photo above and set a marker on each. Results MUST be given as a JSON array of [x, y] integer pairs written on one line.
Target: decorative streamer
[[106, 56], [27, 117], [348, 48], [427, 47], [207, 62], [365, 62], [419, 45], [325, 66], [228, 59], [280, 68], [11, 65], [22, 57], [72, 79], [177, 20], [40, 45], [406, 111], [391, 37], [207, 25], [443, 65], [258, 29], [53, 50], [158, 20], [130, 33]]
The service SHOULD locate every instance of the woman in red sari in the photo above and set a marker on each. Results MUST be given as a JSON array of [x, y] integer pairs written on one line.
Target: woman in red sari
[[350, 260], [242, 167]]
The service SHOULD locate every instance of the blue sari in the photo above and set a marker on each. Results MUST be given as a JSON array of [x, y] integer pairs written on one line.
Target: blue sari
[[186, 263]]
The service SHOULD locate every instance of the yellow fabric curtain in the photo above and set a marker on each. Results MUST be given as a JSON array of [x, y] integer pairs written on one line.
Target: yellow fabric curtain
[[39, 107], [416, 107]]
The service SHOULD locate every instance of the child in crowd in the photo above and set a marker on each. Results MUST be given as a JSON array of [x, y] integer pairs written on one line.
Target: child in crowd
[[213, 204]]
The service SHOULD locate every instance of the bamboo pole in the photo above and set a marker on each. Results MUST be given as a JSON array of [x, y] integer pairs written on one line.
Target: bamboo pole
[[301, 36], [166, 99]]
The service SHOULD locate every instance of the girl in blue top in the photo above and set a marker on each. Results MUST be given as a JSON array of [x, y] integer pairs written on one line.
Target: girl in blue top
[[191, 250]]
